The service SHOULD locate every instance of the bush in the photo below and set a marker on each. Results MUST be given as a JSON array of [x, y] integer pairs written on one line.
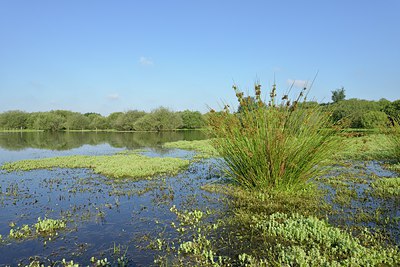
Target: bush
[[273, 145], [374, 119]]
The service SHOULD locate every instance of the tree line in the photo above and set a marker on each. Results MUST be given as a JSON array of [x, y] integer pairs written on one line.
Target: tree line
[[352, 113], [160, 119]]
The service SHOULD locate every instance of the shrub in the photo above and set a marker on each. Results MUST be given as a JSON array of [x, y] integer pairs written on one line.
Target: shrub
[[272, 145]]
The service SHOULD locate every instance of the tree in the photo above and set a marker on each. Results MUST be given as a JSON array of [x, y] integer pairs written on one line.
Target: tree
[[338, 95], [160, 119], [14, 119], [192, 119]]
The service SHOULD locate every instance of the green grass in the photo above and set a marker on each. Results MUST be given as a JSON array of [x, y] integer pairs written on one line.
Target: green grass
[[204, 147], [114, 166], [273, 145]]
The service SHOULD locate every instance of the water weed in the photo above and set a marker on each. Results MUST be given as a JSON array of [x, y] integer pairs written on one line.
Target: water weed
[[386, 188], [115, 166]]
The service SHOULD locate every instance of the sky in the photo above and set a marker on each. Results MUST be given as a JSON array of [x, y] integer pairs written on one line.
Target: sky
[[108, 56]]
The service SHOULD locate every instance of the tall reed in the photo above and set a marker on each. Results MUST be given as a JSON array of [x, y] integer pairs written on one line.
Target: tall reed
[[273, 145]]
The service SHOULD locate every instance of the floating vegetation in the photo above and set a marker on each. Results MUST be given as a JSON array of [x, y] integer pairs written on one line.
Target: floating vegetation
[[49, 227], [115, 166], [386, 188], [45, 227], [203, 147]]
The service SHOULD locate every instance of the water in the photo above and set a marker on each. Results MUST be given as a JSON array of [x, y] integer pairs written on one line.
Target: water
[[102, 214]]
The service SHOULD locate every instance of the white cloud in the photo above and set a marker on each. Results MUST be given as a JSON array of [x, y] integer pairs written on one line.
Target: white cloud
[[298, 83], [144, 61], [113, 97]]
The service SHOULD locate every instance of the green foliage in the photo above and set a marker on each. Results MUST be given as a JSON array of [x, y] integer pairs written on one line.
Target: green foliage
[[77, 122], [386, 188], [338, 95], [115, 166], [48, 121], [192, 119], [308, 241], [14, 119], [374, 119], [393, 109], [350, 112], [161, 119], [49, 227], [274, 145], [126, 121], [20, 233]]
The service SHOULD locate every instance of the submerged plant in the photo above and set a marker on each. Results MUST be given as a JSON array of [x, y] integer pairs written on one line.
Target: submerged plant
[[273, 145]]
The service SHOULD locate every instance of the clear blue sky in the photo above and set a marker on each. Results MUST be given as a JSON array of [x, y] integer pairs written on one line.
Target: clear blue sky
[[105, 56]]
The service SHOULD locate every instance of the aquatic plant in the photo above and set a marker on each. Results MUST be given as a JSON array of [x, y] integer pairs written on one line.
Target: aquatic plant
[[115, 166], [386, 188], [20, 233], [49, 227], [204, 147], [272, 145], [308, 241]]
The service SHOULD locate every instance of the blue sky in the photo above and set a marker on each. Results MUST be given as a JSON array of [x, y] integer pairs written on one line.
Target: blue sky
[[106, 56]]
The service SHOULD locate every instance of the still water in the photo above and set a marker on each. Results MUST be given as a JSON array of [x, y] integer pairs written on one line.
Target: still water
[[105, 218]]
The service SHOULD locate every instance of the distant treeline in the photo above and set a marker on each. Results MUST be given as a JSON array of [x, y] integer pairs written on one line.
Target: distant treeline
[[352, 113], [161, 119], [358, 113]]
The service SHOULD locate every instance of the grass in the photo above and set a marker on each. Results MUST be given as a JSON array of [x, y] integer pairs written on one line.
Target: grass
[[204, 147], [273, 145], [114, 166]]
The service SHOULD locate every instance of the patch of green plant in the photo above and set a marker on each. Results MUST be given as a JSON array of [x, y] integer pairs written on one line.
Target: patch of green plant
[[308, 241], [45, 227], [49, 227], [366, 147], [246, 238], [20, 232], [129, 165], [386, 188], [273, 145], [204, 147]]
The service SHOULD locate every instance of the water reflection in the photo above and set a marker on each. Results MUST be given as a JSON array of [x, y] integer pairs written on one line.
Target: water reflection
[[70, 140]]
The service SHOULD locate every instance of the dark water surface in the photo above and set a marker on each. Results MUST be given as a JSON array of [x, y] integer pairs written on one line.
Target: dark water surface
[[102, 214]]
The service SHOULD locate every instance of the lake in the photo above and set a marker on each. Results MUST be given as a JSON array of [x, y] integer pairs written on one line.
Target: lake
[[106, 218]]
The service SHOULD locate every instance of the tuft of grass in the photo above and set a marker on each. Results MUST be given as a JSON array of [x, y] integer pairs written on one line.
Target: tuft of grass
[[204, 147], [115, 166], [273, 145]]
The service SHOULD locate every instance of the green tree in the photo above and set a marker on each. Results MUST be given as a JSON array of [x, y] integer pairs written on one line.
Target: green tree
[[393, 109], [338, 95], [192, 119], [14, 119], [48, 121], [374, 119], [160, 119], [77, 122]]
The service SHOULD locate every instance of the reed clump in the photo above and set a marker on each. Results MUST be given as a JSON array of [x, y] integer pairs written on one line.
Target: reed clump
[[274, 144]]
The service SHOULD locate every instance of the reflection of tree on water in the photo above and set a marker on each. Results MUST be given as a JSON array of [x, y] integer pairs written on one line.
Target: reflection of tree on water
[[69, 140]]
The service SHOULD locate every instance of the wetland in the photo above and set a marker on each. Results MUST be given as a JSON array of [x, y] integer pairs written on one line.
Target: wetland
[[59, 207]]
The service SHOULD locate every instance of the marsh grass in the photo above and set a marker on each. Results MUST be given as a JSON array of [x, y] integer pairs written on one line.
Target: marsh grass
[[114, 166], [273, 145]]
